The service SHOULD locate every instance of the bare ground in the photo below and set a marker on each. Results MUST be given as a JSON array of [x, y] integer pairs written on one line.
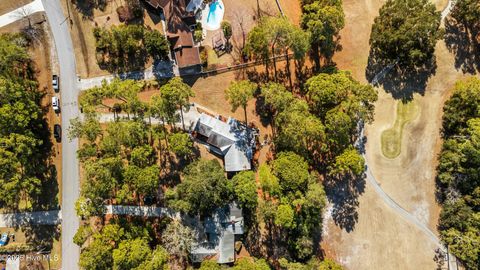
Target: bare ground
[[380, 239], [9, 5]]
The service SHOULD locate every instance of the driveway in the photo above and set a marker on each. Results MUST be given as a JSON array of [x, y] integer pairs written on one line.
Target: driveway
[[69, 93], [52, 217], [15, 15]]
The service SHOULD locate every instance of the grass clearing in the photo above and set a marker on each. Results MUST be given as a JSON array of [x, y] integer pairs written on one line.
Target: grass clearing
[[392, 137]]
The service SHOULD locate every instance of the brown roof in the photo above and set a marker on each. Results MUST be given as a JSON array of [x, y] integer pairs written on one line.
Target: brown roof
[[178, 32]]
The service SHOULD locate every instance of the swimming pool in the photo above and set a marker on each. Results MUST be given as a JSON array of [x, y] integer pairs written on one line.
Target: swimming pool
[[212, 15]]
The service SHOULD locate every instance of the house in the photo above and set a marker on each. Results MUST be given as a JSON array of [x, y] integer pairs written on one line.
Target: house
[[217, 234], [179, 25], [231, 139]]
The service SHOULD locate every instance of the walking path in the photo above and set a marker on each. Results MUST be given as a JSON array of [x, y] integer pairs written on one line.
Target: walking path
[[52, 217], [15, 15]]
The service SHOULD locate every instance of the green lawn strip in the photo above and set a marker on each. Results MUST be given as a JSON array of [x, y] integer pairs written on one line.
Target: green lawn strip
[[392, 138]]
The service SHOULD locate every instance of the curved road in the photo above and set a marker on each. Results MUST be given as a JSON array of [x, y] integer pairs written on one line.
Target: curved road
[[69, 94]]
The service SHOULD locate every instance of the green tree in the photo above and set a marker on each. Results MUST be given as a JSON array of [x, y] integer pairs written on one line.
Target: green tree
[[467, 13], [130, 254], [239, 93], [268, 181], [299, 130], [350, 162], [158, 260], [178, 94], [323, 20], [292, 170], [97, 256], [245, 189], [181, 144], [156, 44], [88, 129], [251, 264], [277, 99], [284, 217], [208, 177], [227, 29], [210, 265], [407, 31]]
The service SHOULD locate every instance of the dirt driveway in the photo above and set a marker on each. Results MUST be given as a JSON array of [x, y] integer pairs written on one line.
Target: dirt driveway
[[381, 239]]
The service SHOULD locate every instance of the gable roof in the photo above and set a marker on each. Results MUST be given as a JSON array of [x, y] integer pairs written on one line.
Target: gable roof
[[231, 138], [177, 21]]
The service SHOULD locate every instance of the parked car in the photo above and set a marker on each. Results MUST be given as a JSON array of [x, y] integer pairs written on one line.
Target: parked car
[[55, 83], [56, 104], [4, 239], [57, 132]]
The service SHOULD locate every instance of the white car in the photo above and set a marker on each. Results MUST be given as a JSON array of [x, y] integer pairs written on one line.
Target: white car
[[55, 83], [56, 104]]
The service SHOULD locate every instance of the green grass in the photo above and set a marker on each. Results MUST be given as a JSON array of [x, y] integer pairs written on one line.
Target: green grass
[[392, 138]]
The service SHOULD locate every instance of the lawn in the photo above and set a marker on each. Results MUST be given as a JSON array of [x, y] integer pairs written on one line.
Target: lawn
[[392, 137]]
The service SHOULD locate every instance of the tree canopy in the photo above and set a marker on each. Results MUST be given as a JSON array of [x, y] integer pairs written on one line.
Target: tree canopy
[[203, 189], [457, 173], [407, 31]]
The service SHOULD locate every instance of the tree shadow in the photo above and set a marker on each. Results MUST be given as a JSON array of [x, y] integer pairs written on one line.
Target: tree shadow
[[86, 8], [461, 44], [343, 193], [401, 81], [42, 236]]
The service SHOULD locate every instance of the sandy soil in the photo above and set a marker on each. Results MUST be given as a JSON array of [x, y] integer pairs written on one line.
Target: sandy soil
[[9, 5], [381, 239]]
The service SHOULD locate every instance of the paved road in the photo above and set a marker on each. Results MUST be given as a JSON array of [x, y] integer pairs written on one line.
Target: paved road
[[52, 217], [69, 93], [15, 15]]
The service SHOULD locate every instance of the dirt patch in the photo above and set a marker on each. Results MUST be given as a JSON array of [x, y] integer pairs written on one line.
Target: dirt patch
[[392, 138], [9, 5]]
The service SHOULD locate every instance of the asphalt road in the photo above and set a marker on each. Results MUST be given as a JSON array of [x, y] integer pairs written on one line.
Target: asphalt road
[[69, 92]]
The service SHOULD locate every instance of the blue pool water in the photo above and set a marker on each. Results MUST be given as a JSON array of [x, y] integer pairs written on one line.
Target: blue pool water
[[212, 18]]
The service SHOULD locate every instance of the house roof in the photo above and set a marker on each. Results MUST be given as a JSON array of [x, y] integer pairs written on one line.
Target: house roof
[[177, 21], [222, 226], [231, 138]]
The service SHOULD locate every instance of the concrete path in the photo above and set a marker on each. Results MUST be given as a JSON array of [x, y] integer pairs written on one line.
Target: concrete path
[[190, 118], [69, 93], [144, 211], [162, 69], [15, 15], [52, 217]]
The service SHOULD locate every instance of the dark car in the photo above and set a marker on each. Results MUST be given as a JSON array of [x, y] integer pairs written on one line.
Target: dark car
[[57, 132]]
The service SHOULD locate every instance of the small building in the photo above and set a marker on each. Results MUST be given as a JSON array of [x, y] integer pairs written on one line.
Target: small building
[[179, 26], [217, 234], [232, 140]]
